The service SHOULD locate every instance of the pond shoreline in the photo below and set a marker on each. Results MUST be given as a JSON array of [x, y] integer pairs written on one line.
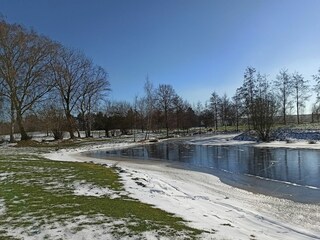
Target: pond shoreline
[[281, 188]]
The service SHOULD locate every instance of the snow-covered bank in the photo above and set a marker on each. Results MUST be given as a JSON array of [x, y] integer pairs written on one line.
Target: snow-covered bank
[[223, 139], [301, 144], [69, 154], [224, 211], [230, 139]]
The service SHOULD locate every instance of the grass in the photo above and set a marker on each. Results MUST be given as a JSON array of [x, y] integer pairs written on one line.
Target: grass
[[37, 192]]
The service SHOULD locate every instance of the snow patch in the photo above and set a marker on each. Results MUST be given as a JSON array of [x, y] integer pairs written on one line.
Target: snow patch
[[223, 139], [87, 189], [68, 154], [2, 207], [82, 227], [4, 176], [74, 229]]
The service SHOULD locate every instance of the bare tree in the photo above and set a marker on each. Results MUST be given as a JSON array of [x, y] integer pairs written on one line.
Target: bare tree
[[141, 112], [315, 115], [149, 100], [316, 87], [248, 92], [25, 60], [301, 92], [178, 108], [265, 108], [71, 70], [165, 99], [120, 116], [189, 117], [206, 117], [93, 90], [225, 110], [237, 107], [259, 102], [284, 88], [53, 117], [214, 106]]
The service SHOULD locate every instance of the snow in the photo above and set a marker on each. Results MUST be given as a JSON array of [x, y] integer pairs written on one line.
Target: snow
[[202, 199], [68, 230], [68, 154], [225, 139], [4, 176], [2, 207], [301, 144], [213, 206], [87, 189]]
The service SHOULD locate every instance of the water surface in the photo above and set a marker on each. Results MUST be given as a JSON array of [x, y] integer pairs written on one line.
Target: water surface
[[288, 173]]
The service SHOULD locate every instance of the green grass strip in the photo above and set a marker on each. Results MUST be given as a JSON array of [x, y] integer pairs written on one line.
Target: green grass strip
[[36, 191]]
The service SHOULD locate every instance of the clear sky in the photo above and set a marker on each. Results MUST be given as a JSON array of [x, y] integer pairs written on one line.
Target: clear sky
[[197, 46]]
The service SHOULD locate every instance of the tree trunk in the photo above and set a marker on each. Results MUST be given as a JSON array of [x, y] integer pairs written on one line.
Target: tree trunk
[[284, 113], [24, 135], [166, 119], [12, 124], [298, 111], [70, 125], [88, 129], [107, 132]]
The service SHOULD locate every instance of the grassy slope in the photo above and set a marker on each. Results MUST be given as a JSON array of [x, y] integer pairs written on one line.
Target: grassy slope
[[37, 192]]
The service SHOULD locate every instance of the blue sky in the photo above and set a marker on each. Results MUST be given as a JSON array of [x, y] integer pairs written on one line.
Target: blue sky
[[197, 46]]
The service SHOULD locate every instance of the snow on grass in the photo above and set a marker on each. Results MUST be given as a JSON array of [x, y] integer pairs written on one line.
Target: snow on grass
[[86, 189], [65, 200], [80, 227], [2, 207], [4, 176]]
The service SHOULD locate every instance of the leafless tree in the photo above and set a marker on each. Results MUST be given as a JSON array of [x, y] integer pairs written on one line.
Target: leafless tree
[[315, 115], [93, 90], [259, 102], [165, 99], [284, 88], [53, 117], [237, 107], [214, 106], [248, 91], [178, 108], [141, 112], [25, 61], [301, 92], [120, 117], [265, 108], [149, 101], [225, 110], [71, 70]]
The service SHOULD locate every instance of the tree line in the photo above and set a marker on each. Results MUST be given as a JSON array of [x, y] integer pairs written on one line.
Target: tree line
[[160, 108], [47, 86], [40, 75], [258, 103]]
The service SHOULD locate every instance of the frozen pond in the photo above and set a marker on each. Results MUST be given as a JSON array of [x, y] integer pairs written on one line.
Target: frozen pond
[[288, 173]]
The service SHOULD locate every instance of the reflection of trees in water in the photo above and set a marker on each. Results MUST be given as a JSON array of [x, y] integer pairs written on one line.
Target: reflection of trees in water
[[261, 163], [298, 166]]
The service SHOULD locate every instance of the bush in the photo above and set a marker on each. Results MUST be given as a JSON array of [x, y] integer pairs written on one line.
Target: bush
[[312, 141]]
